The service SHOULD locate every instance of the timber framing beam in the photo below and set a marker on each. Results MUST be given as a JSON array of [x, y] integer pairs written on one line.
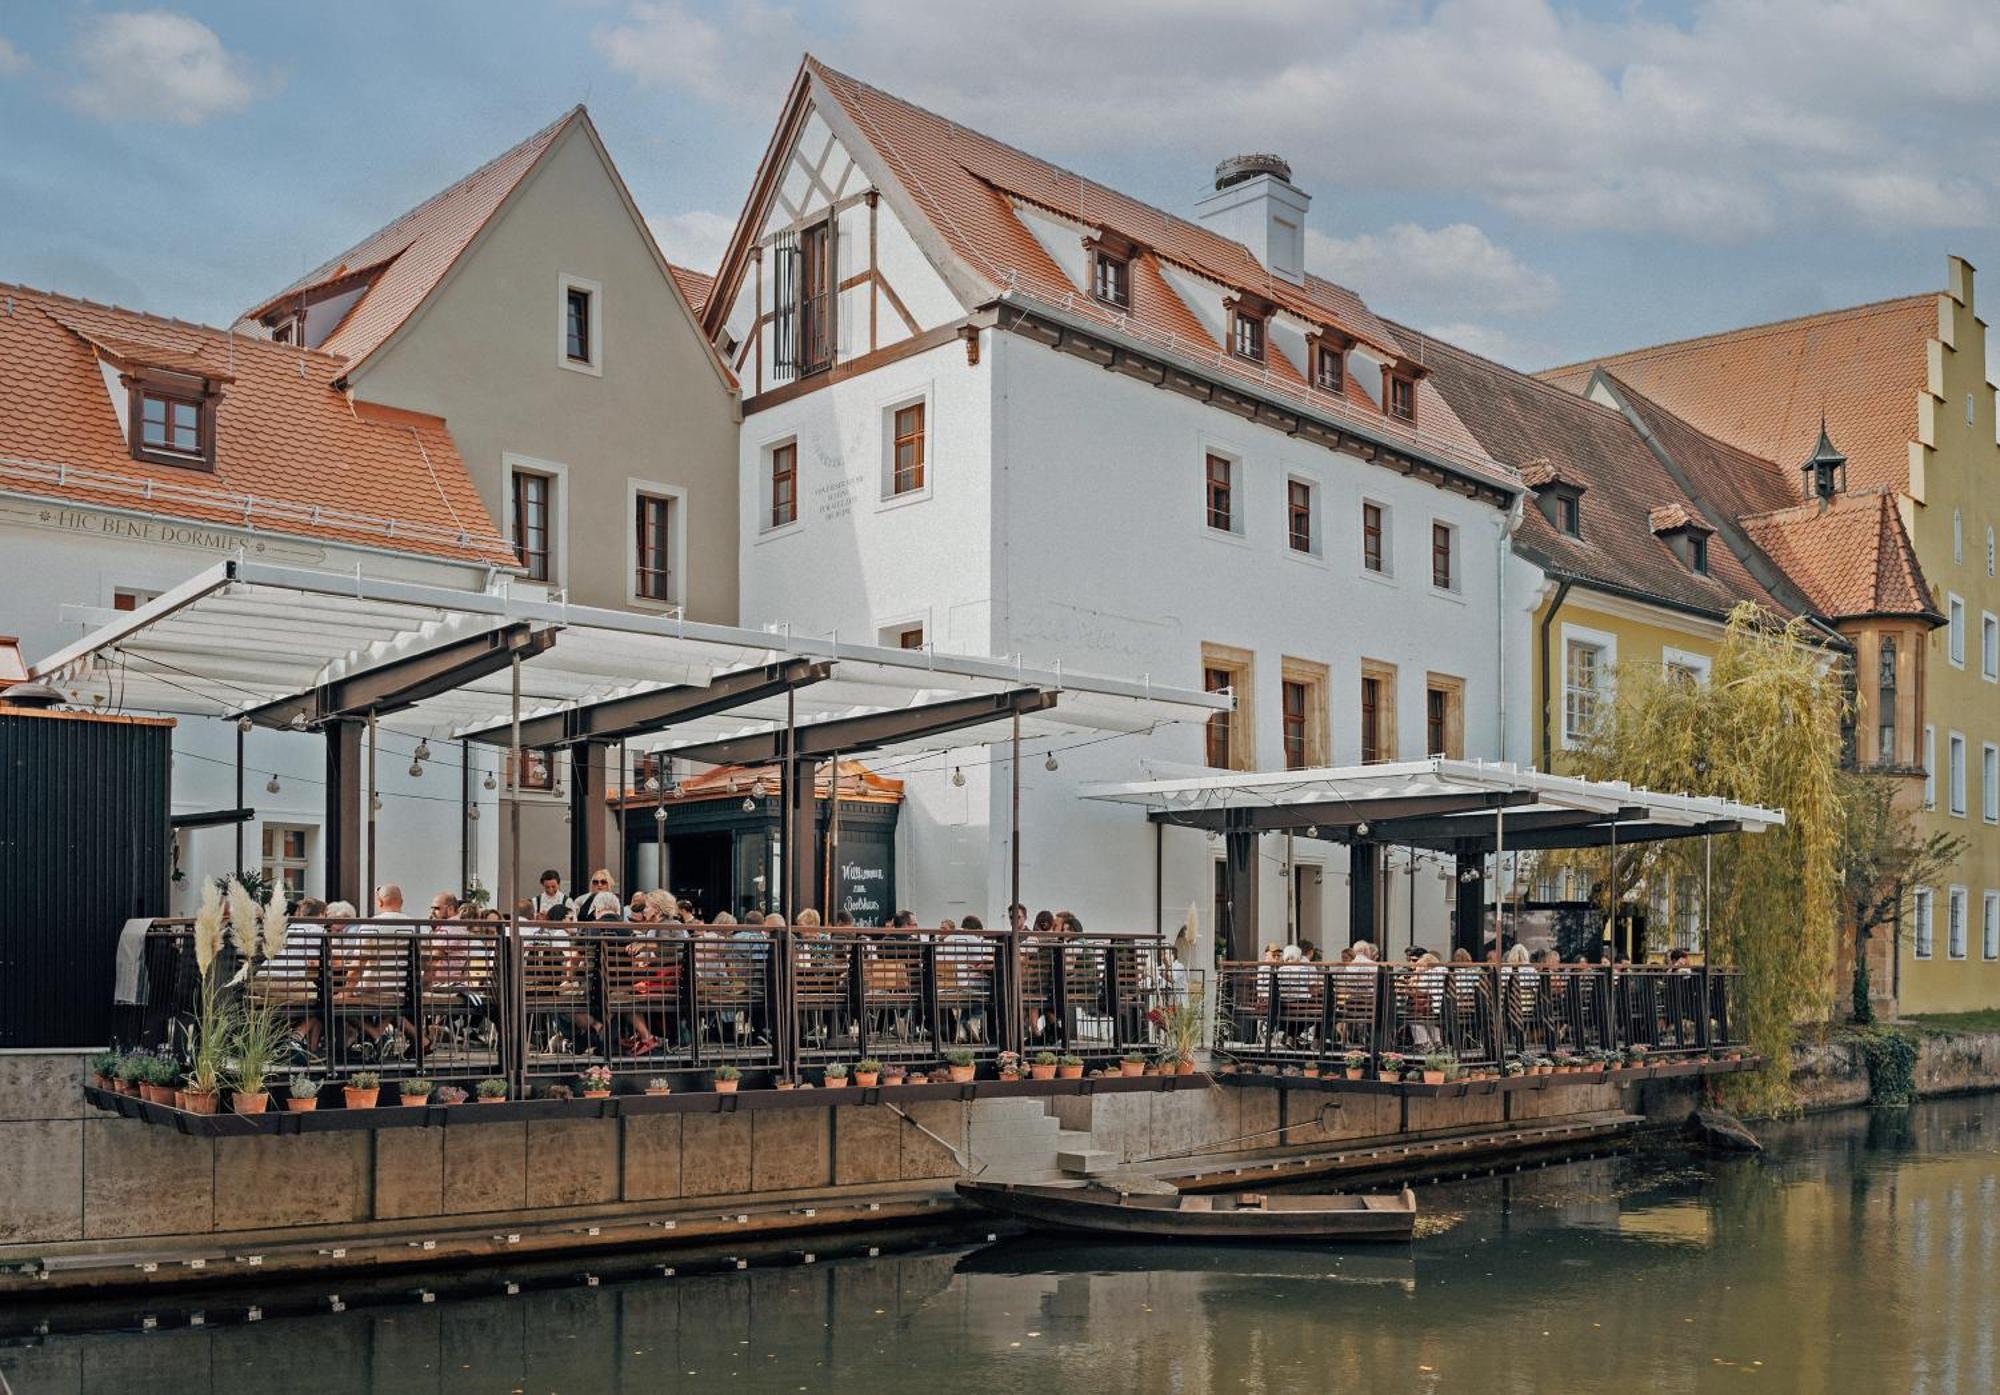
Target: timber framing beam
[[617, 719], [846, 736], [405, 682]]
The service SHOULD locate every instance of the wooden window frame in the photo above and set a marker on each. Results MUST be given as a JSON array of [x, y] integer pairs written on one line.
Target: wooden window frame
[[906, 429], [1329, 350], [280, 861], [909, 637], [1444, 555], [1248, 335], [519, 477], [1235, 729], [1117, 269], [818, 296], [1312, 679], [1378, 712], [1698, 553], [1450, 690], [653, 539], [1399, 395], [577, 328], [1294, 722], [174, 391], [1219, 486], [1374, 534], [1595, 694], [1299, 516], [784, 471], [1569, 514]]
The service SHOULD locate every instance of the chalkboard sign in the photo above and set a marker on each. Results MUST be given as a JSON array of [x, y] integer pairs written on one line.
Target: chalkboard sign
[[865, 876]]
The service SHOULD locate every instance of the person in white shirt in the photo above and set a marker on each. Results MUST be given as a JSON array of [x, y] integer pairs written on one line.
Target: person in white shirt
[[389, 902], [551, 902]]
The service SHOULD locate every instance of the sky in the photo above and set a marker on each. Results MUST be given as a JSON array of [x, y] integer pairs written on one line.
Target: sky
[[1533, 179]]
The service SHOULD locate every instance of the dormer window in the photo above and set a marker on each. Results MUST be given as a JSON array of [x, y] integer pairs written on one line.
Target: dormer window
[[172, 421], [1329, 361], [1698, 554], [1557, 495], [1399, 394], [1684, 533], [1569, 514], [1246, 335], [1111, 280]]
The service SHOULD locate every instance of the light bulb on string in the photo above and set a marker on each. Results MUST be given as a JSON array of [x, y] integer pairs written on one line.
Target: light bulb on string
[[423, 751], [244, 723], [298, 722], [749, 805], [271, 785], [1050, 763], [473, 813], [489, 782], [416, 770], [660, 814], [958, 775]]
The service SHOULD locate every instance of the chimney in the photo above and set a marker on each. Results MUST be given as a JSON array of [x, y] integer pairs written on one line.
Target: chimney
[[1256, 203]]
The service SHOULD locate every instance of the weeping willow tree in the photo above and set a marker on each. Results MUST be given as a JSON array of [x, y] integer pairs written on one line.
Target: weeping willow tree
[[1764, 729]]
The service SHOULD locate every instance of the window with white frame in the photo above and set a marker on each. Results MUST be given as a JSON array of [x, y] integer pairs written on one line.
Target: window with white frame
[[1302, 515], [287, 857], [906, 470], [1989, 927], [1989, 782], [1955, 772], [1683, 666], [1954, 923], [780, 485], [580, 325], [1587, 660], [1930, 766], [1989, 646], [1955, 631], [1920, 922]]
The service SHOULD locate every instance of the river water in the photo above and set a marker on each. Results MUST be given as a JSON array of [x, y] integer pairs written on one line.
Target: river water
[[1861, 1253]]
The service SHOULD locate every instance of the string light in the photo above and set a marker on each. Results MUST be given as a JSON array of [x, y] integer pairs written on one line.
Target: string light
[[271, 785], [749, 805], [660, 814], [489, 782], [473, 813], [1050, 763], [416, 770], [298, 722], [423, 751], [958, 775], [244, 723]]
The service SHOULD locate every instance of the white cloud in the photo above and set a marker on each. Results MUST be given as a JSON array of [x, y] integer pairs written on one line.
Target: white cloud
[[157, 66], [1737, 118], [12, 60], [1416, 271], [1502, 346], [693, 239]]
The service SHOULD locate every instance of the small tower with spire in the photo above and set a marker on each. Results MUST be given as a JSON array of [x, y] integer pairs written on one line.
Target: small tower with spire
[[1826, 468]]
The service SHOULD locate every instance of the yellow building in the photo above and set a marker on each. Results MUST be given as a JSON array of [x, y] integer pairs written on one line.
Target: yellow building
[[1900, 387]]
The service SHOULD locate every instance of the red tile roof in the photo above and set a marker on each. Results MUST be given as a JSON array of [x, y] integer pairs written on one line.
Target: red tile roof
[[293, 456], [1851, 555], [695, 285], [965, 185], [415, 251], [1666, 518], [1763, 389]]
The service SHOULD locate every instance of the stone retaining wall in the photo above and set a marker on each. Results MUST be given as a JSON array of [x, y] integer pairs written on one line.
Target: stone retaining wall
[[1834, 1074]]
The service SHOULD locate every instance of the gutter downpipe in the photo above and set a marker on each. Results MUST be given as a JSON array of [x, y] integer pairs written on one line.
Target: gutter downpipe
[[1548, 619], [1514, 515]]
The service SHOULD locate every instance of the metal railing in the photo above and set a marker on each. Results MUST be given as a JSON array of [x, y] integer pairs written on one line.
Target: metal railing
[[464, 1000], [1483, 1015]]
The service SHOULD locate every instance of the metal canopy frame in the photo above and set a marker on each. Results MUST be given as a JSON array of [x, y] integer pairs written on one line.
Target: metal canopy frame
[[622, 718], [400, 684], [848, 736]]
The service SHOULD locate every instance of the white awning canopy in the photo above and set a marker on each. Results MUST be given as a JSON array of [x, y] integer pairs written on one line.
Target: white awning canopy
[[1449, 805], [246, 636]]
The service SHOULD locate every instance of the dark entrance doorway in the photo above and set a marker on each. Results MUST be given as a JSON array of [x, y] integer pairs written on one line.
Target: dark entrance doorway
[[700, 867]]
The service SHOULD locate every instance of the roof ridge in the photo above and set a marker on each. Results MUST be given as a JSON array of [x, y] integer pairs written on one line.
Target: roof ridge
[[330, 265], [173, 322], [1869, 307]]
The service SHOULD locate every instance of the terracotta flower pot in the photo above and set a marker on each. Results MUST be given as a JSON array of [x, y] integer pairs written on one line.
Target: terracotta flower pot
[[1310, 1072], [788, 1084], [1041, 1072], [412, 1101], [867, 1079], [726, 1087], [180, 1099], [894, 1077], [360, 1099], [1433, 1077], [157, 1094], [594, 1095], [492, 1099], [1131, 1067], [301, 1104], [1184, 1068], [1069, 1072], [1356, 1072], [249, 1102], [200, 1101], [666, 1091], [961, 1075]]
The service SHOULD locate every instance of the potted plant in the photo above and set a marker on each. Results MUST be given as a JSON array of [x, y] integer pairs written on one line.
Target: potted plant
[[1637, 1055], [1007, 1065], [1043, 1066], [835, 1075], [659, 1085], [156, 1079], [1511, 1069], [959, 1062], [361, 1089], [1181, 1025], [867, 1072], [1069, 1067], [104, 1070], [1435, 1066], [1132, 1063], [727, 1078], [128, 1074], [492, 1090], [1390, 1067], [450, 1094], [415, 1091], [302, 1094], [785, 1082], [1355, 1063], [893, 1074], [596, 1082], [558, 1091]]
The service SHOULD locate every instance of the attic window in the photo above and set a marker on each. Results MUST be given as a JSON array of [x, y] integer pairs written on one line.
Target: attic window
[[1697, 553], [1246, 334], [1684, 533], [1401, 397], [172, 422], [1329, 367], [1111, 279], [1568, 512]]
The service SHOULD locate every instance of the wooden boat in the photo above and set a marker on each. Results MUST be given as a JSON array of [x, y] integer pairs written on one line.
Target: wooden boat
[[1270, 1218]]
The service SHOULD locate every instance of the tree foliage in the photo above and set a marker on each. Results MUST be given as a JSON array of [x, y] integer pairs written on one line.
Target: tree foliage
[[1883, 857], [1764, 729]]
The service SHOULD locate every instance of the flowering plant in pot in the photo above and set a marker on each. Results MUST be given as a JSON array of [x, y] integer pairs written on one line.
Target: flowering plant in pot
[[1043, 1066], [784, 1082], [362, 1089], [867, 1072], [1512, 1069], [659, 1085], [727, 1078], [1355, 1063], [596, 1082], [835, 1075], [558, 1092], [959, 1061], [1069, 1067], [894, 1074], [415, 1091], [1132, 1063], [1007, 1065], [450, 1094], [492, 1090], [302, 1094]]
